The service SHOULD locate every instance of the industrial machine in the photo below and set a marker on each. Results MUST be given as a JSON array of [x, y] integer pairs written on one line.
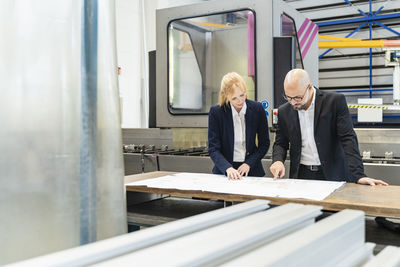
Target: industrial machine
[[198, 44]]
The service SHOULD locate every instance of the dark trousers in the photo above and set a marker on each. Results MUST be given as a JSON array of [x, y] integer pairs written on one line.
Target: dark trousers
[[306, 173]]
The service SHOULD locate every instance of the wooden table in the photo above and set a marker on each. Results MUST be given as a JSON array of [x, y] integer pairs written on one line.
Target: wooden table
[[373, 200]]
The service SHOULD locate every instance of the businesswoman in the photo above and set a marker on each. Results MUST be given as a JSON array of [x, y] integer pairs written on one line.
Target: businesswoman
[[233, 125]]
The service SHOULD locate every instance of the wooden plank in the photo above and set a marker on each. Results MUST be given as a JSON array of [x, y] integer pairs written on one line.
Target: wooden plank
[[373, 200]]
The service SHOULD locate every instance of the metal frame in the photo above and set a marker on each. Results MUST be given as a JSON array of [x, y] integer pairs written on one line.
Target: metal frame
[[369, 19]]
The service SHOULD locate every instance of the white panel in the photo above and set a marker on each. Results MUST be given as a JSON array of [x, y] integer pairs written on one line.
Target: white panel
[[130, 56], [369, 114]]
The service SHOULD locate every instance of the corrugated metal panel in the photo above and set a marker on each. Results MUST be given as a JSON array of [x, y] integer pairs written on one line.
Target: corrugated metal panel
[[349, 62], [355, 73]]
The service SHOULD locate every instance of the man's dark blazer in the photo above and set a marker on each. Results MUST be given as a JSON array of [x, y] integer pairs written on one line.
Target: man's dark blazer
[[334, 136], [221, 135]]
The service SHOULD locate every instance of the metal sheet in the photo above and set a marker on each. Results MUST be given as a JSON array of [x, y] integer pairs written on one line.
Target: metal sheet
[[388, 257], [333, 238], [221, 242], [120, 245]]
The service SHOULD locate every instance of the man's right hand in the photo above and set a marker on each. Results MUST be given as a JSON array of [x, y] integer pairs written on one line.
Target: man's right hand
[[277, 169], [233, 174]]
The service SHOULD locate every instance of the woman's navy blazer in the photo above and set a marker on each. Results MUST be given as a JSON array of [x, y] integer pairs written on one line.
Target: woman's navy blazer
[[221, 135]]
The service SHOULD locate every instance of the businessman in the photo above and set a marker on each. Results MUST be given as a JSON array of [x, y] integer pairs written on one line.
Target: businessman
[[317, 129]]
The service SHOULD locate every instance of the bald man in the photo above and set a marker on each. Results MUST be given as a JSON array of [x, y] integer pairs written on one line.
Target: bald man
[[317, 128]]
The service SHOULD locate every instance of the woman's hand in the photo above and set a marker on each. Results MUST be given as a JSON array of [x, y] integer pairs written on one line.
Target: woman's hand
[[244, 169], [233, 174]]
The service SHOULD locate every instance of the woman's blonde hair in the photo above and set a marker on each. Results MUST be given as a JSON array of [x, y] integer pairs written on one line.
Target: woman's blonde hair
[[229, 82]]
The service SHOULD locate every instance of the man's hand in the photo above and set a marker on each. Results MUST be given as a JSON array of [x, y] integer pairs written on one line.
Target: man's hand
[[244, 169], [370, 181], [233, 174], [278, 169]]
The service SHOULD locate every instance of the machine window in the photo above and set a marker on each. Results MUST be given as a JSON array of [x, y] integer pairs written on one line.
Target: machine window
[[201, 50]]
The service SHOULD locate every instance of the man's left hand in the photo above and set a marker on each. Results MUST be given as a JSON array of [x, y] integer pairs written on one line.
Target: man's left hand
[[370, 181], [244, 169]]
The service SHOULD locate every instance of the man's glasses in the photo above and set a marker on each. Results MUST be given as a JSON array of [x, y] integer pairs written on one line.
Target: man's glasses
[[295, 98]]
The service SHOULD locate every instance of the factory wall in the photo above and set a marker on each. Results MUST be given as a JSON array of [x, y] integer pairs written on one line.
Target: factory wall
[[136, 36]]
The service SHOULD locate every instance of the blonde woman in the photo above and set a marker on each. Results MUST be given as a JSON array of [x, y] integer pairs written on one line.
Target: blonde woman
[[233, 125]]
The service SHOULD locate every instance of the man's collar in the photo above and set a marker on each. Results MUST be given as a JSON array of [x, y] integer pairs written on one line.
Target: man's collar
[[313, 100]]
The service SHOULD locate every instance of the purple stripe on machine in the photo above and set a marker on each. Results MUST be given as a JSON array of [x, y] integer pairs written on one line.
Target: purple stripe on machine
[[310, 40], [306, 34], [302, 27]]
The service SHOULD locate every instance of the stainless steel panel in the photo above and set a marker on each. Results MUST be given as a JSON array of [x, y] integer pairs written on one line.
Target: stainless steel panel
[[379, 141], [186, 163], [133, 163]]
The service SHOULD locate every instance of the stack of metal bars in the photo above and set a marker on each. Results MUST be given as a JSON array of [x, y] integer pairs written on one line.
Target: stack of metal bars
[[244, 234]]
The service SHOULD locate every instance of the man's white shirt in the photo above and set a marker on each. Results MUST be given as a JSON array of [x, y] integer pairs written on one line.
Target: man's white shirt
[[239, 126], [309, 152]]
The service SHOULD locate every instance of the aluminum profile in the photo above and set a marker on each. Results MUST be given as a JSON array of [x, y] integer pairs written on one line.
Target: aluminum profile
[[114, 247], [359, 256], [388, 257], [325, 243], [220, 243]]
